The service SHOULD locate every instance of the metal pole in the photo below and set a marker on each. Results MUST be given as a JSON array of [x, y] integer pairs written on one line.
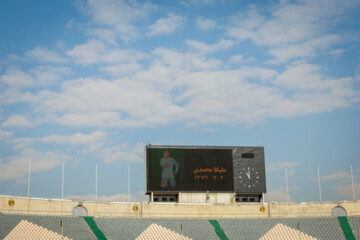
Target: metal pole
[[62, 229], [352, 182], [96, 182], [182, 232], [62, 182], [287, 186], [128, 183], [29, 181], [318, 172]]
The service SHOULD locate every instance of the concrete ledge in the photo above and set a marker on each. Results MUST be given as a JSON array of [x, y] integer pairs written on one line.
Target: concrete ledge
[[39, 206]]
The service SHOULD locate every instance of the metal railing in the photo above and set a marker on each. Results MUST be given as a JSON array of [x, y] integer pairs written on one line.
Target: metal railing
[[141, 214], [211, 215], [300, 215], [37, 212]]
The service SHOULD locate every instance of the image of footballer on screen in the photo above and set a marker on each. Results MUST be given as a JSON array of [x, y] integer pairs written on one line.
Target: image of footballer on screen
[[170, 168], [166, 169]]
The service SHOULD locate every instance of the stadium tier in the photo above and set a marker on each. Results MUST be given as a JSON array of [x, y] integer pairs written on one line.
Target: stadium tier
[[295, 228], [18, 226], [355, 226]]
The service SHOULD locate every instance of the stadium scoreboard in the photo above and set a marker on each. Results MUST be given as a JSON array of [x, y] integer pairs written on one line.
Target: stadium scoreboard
[[236, 169]]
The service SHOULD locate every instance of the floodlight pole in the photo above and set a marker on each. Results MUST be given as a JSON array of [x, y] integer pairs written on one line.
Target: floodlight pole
[[318, 172], [352, 182], [287, 186], [128, 183], [29, 181], [96, 182], [62, 182]]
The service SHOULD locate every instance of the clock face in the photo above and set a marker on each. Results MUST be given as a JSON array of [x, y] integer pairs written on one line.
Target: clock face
[[249, 177]]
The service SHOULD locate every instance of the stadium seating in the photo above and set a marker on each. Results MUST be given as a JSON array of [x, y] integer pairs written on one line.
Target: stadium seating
[[355, 226], [73, 227], [132, 228], [318, 228], [18, 226]]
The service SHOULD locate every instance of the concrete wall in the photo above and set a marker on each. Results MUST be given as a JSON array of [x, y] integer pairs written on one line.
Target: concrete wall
[[215, 198], [313, 209], [176, 210], [203, 210], [65, 207]]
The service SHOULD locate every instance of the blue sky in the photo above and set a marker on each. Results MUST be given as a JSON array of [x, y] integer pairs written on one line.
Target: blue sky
[[86, 82]]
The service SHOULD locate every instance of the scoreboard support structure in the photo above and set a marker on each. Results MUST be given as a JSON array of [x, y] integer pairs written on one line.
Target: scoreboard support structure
[[204, 174]]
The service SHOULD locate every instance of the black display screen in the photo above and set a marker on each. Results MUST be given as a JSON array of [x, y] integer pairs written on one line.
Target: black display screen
[[189, 170]]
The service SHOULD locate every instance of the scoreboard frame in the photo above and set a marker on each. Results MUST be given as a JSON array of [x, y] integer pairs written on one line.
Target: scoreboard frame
[[199, 169]]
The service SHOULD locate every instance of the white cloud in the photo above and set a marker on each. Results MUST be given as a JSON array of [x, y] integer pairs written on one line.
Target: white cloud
[[310, 48], [176, 62], [166, 25], [308, 77], [224, 96], [201, 47], [345, 190], [117, 16], [48, 75], [282, 165], [95, 51], [336, 52], [191, 3], [193, 91], [312, 91], [288, 23], [18, 121], [16, 168], [341, 183], [88, 53], [236, 59], [243, 25], [123, 153], [98, 119], [107, 35], [123, 56], [89, 102], [93, 141], [293, 30], [240, 59], [292, 52], [5, 134], [12, 58], [338, 175], [302, 76], [189, 86], [44, 55], [122, 69], [70, 24], [15, 78], [22, 143], [205, 24], [15, 96], [138, 149]]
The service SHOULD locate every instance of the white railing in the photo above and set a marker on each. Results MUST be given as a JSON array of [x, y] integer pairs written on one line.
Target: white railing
[[37, 212], [211, 215], [141, 214]]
